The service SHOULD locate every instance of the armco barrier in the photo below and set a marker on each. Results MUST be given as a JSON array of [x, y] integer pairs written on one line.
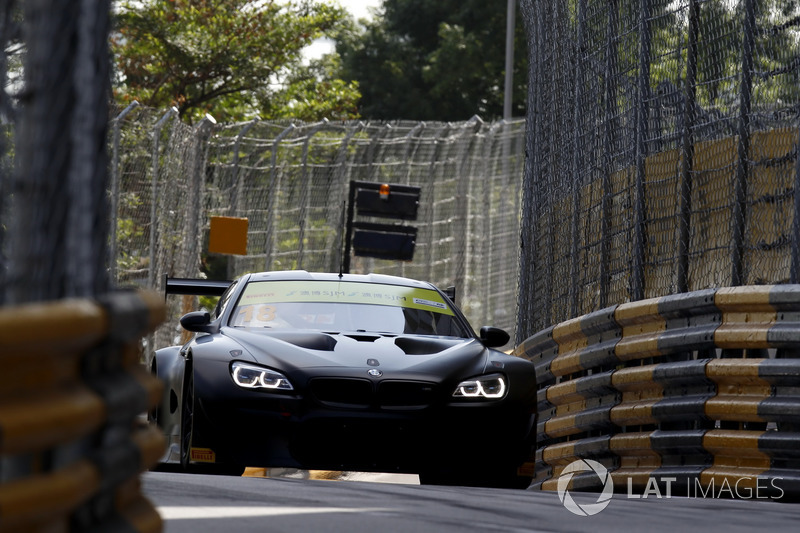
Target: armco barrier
[[695, 394], [72, 392]]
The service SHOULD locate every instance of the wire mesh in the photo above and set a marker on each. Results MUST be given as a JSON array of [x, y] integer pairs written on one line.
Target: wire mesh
[[291, 180], [663, 151]]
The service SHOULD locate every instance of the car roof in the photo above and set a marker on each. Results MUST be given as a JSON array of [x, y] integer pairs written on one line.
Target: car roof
[[302, 275]]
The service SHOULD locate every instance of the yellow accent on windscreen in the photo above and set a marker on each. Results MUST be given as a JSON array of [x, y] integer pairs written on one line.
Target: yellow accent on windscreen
[[267, 292]]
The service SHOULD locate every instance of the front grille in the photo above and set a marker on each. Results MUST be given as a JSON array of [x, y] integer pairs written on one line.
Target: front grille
[[405, 394], [354, 393], [342, 392]]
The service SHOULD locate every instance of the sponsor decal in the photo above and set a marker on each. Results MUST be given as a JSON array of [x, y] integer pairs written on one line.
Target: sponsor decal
[[428, 303], [203, 455], [276, 292]]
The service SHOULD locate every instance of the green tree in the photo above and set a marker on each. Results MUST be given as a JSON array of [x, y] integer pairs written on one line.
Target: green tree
[[434, 60], [230, 58]]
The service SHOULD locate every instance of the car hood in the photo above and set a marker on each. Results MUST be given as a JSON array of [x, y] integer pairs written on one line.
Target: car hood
[[415, 354]]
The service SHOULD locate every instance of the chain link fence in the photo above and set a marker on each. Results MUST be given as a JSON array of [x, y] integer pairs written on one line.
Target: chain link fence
[[53, 170], [291, 181], [662, 151]]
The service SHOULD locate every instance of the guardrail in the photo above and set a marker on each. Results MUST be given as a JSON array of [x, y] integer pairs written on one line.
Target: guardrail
[[695, 394], [72, 389]]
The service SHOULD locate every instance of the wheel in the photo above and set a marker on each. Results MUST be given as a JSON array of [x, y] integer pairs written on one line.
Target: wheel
[[154, 415], [187, 417], [187, 431]]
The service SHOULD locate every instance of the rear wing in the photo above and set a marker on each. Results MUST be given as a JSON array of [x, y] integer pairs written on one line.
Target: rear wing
[[195, 286]]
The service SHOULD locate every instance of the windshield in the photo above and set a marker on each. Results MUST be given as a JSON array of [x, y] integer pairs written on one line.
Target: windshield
[[334, 306]]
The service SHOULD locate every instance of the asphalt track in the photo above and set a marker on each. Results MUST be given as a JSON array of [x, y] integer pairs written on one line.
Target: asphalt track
[[200, 504]]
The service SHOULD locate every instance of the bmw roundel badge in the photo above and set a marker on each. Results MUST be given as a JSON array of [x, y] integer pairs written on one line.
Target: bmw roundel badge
[[374, 372]]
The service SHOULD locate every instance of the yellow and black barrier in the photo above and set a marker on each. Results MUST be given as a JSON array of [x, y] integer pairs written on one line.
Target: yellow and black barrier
[[696, 393], [72, 392]]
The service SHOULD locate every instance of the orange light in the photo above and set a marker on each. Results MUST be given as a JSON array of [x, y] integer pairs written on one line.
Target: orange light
[[384, 191]]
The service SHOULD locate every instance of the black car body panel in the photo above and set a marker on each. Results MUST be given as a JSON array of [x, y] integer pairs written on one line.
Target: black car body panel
[[371, 398]]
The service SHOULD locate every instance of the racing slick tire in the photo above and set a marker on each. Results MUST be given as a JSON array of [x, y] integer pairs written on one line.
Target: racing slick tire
[[187, 431]]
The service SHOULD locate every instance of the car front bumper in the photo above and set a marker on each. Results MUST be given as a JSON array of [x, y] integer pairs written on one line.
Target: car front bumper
[[295, 429]]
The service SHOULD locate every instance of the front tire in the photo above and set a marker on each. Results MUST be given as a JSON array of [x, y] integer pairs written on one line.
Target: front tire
[[187, 432], [187, 417]]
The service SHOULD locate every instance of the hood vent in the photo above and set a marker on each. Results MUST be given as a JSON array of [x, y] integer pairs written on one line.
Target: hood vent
[[420, 346], [309, 341], [364, 338]]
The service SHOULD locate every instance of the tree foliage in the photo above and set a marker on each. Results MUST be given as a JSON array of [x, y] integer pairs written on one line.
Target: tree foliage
[[434, 60], [230, 58]]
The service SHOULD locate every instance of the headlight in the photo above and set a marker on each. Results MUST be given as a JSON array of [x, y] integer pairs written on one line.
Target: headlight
[[257, 377], [491, 387]]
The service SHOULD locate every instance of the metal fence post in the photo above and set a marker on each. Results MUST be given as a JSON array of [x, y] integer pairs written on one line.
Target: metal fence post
[[408, 156], [795, 269], [269, 234], [462, 214], [431, 193], [486, 243], [151, 274], [305, 196], [739, 211], [237, 189], [336, 258], [577, 160], [687, 166], [114, 215], [237, 148], [194, 227], [530, 200], [608, 149], [637, 267]]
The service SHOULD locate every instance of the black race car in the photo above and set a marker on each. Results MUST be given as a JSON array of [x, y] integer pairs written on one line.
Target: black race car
[[344, 372]]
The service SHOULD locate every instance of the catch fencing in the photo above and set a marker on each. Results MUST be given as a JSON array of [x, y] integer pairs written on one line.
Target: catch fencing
[[662, 143], [291, 180]]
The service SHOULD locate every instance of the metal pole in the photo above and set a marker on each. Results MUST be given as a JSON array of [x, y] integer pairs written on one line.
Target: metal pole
[[689, 103], [305, 183], [173, 111], [487, 242], [508, 97], [269, 235], [237, 190], [610, 112], [577, 161], [112, 249], [462, 214], [529, 219], [795, 270], [236, 187], [739, 212], [341, 257], [637, 274], [432, 199], [348, 246], [193, 231], [409, 154]]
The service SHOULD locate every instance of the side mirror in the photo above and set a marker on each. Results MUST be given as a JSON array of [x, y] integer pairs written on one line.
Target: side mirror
[[450, 292], [493, 337], [197, 322]]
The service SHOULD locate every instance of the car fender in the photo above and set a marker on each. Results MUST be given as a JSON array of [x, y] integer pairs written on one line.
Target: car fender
[[169, 367]]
